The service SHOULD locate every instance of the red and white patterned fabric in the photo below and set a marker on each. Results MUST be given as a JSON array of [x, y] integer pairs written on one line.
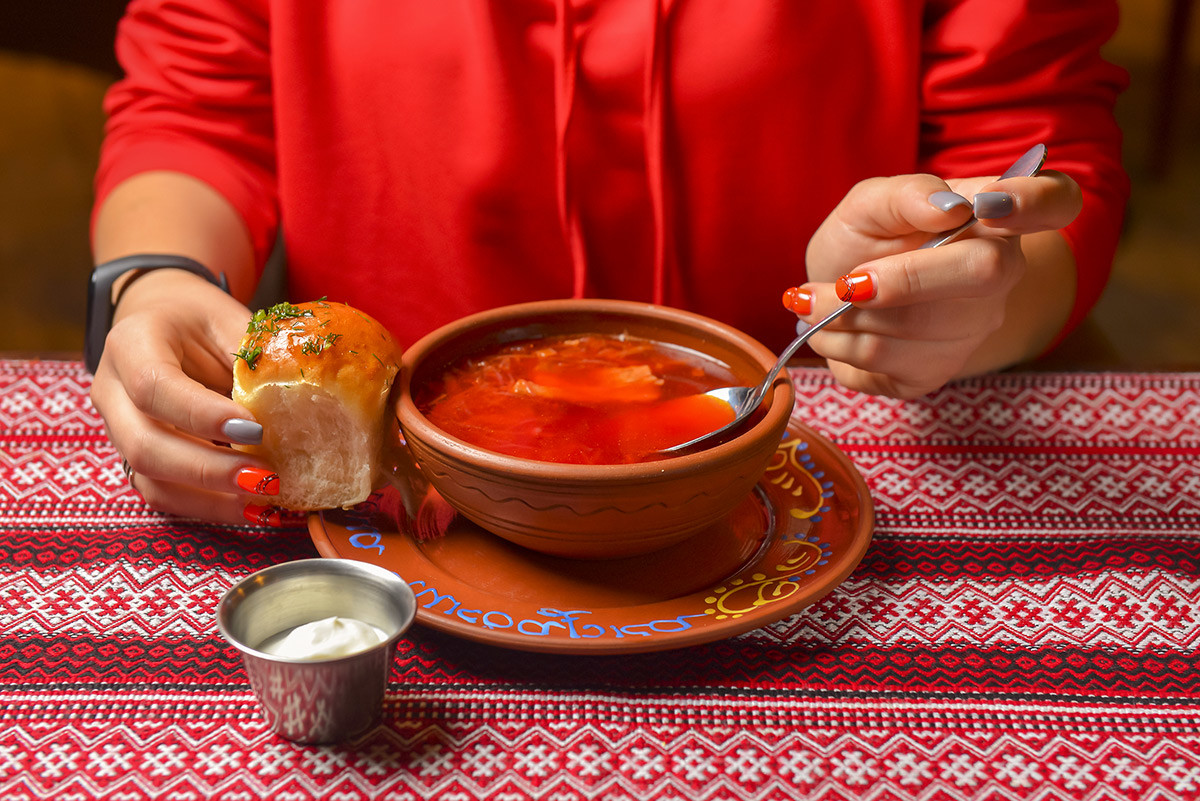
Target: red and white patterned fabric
[[1025, 625]]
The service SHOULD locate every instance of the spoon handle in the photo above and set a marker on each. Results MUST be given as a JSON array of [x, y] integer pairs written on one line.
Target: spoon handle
[[791, 349]]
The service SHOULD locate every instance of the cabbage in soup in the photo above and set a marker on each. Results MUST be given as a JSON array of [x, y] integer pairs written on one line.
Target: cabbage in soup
[[580, 399]]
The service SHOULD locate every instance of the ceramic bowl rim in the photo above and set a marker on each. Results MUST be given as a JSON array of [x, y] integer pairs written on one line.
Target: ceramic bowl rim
[[782, 399]]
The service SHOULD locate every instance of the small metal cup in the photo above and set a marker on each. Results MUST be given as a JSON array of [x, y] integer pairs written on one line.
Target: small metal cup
[[324, 700]]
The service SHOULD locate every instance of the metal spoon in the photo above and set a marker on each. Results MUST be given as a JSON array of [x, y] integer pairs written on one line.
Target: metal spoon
[[744, 400]]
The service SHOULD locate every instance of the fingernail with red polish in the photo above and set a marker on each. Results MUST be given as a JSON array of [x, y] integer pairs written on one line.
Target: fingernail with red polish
[[798, 300], [258, 480], [856, 286], [259, 515]]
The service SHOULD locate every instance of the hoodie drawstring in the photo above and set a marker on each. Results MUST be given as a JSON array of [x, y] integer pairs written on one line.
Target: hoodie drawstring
[[566, 70], [566, 67], [655, 169]]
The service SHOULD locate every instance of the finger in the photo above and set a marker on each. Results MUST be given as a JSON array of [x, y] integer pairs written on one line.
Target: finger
[[1016, 206], [876, 383], [881, 216], [210, 358], [953, 320], [904, 206], [914, 362], [981, 267], [162, 453], [901, 352], [184, 501], [813, 302], [149, 370], [892, 366]]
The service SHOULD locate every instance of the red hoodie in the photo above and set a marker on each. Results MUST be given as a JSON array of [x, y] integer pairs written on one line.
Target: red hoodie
[[431, 158]]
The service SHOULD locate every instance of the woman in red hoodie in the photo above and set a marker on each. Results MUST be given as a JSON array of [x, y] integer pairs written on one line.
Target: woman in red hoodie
[[427, 160]]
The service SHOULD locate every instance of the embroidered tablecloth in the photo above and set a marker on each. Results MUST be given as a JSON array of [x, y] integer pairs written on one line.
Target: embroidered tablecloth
[[1025, 624]]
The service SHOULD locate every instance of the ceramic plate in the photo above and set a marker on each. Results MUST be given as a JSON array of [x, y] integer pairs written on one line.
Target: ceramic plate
[[799, 535]]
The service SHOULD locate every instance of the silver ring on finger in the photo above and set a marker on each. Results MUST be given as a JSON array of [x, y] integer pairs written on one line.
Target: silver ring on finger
[[127, 470]]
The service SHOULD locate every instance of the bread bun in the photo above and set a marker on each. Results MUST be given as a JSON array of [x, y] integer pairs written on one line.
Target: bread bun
[[316, 376]]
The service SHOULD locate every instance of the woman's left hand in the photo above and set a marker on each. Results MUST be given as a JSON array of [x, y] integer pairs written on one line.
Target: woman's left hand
[[924, 317]]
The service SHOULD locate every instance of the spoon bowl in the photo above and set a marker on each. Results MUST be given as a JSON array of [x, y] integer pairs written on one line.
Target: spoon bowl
[[744, 400]]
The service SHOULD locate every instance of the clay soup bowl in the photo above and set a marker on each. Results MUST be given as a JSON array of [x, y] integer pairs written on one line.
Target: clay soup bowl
[[592, 511]]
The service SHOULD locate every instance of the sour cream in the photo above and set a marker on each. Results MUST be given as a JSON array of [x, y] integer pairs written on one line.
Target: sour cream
[[330, 638]]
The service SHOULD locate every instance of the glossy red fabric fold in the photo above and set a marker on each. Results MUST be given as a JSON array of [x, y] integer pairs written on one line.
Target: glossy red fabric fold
[[428, 160]]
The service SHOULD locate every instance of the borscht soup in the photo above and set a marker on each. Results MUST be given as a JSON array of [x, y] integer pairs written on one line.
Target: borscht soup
[[579, 399]]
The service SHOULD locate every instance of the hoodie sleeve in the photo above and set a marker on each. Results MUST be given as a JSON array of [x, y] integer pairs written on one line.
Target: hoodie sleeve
[[196, 99], [1001, 77]]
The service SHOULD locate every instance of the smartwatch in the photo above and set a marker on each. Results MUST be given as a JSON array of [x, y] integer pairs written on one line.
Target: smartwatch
[[101, 304]]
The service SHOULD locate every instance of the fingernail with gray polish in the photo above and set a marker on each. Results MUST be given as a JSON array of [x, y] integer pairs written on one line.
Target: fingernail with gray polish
[[243, 432], [990, 205], [946, 200]]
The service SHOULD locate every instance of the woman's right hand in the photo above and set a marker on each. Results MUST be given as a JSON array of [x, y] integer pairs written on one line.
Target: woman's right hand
[[163, 386]]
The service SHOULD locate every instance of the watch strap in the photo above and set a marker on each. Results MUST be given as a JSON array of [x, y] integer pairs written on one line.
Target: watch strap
[[101, 305]]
